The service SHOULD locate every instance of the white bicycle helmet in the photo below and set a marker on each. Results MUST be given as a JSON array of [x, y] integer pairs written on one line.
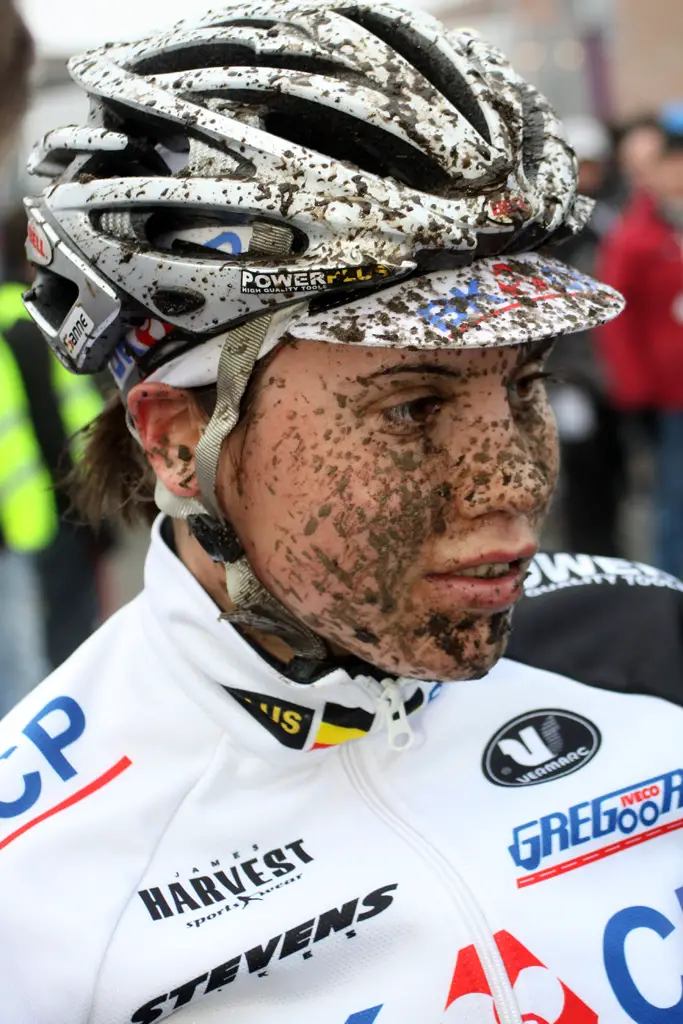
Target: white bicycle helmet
[[298, 169]]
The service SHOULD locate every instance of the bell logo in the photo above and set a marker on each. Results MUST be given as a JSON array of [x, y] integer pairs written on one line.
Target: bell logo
[[541, 997], [38, 248]]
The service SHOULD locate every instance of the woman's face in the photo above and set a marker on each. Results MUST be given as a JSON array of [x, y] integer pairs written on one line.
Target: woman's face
[[367, 485]]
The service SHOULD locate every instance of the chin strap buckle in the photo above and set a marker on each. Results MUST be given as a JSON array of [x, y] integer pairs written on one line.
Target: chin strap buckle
[[219, 540]]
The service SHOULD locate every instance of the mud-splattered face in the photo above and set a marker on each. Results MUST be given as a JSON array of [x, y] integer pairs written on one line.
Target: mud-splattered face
[[365, 485]]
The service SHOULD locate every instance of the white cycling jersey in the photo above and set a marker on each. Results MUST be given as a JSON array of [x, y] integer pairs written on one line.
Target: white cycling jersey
[[185, 832]]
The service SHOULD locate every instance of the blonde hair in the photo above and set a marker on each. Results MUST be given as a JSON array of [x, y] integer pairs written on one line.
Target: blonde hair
[[113, 479]]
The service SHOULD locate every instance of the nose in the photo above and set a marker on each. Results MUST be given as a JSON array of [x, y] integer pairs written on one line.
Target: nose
[[503, 469]]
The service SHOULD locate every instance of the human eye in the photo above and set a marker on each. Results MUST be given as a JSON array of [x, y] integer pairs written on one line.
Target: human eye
[[412, 416], [528, 388]]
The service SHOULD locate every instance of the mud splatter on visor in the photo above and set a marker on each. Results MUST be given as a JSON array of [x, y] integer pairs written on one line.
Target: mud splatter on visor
[[492, 303]]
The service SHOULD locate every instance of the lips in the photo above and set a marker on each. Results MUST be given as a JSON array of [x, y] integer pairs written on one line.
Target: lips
[[489, 570], [511, 560], [493, 582]]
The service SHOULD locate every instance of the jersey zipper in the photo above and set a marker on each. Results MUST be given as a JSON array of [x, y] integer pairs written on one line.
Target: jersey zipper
[[489, 955], [400, 735]]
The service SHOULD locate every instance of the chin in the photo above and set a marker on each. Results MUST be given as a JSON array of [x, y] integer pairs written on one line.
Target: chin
[[439, 669], [466, 647], [446, 650]]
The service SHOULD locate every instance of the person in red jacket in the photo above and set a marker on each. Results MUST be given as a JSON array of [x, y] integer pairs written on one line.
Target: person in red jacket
[[643, 349]]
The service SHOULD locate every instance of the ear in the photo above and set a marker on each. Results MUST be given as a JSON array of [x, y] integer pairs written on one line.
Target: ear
[[169, 424]]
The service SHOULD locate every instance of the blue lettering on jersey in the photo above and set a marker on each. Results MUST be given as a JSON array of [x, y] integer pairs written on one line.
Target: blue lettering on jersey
[[365, 1016], [631, 999], [639, 806], [51, 745]]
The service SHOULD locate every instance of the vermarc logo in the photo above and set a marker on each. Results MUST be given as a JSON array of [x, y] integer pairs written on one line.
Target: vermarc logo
[[540, 746]]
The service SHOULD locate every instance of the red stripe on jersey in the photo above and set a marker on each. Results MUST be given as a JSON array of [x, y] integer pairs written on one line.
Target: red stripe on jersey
[[75, 798]]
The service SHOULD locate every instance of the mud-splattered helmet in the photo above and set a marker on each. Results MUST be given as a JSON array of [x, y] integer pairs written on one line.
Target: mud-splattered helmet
[[300, 169], [284, 150]]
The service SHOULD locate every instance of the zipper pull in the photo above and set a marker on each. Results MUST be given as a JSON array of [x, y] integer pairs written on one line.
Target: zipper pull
[[399, 732]]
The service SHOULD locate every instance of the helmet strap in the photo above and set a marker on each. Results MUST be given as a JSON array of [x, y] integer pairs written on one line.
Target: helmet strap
[[254, 607]]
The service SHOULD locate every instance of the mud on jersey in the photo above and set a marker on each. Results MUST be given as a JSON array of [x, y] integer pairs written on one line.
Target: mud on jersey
[[186, 833]]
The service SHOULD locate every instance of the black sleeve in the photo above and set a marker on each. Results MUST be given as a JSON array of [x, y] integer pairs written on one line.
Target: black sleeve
[[606, 622]]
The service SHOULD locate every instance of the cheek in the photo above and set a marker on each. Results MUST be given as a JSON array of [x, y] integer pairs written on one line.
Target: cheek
[[294, 493], [547, 443], [539, 430], [328, 518]]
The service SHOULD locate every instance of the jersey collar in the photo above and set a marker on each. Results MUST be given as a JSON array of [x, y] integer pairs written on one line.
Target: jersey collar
[[251, 697]]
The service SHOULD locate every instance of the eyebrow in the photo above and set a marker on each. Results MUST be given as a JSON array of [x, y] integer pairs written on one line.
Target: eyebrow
[[423, 368], [529, 352]]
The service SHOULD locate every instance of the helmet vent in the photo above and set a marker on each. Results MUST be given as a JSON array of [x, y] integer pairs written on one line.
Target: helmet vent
[[221, 54], [341, 136], [246, 23], [423, 55], [177, 301], [161, 151], [53, 295], [533, 141]]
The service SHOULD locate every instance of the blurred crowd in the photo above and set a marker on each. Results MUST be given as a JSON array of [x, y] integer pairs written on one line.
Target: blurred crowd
[[617, 392], [51, 566]]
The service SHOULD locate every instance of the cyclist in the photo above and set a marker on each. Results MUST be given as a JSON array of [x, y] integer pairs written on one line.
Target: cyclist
[[305, 239]]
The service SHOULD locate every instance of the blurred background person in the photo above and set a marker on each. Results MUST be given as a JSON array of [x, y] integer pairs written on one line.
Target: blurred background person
[[640, 142], [16, 59], [26, 520], [643, 349], [56, 406], [593, 477]]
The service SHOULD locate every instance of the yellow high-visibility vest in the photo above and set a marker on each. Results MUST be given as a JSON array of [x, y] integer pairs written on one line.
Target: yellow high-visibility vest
[[28, 509]]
